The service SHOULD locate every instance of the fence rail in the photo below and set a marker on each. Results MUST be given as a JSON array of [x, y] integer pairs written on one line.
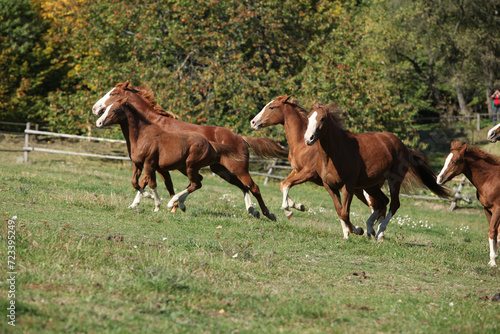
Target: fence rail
[[27, 148], [275, 164]]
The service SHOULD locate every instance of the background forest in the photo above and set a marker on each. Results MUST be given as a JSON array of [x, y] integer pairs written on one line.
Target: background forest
[[219, 62]]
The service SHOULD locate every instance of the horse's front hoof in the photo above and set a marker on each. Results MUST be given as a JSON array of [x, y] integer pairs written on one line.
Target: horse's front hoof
[[359, 230], [370, 234], [272, 217], [288, 214], [380, 238], [301, 207]]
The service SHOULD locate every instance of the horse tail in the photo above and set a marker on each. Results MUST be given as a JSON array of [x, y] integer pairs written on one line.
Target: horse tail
[[230, 151], [421, 170], [266, 148]]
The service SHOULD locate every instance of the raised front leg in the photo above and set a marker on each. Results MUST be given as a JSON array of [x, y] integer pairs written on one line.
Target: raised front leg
[[294, 178]]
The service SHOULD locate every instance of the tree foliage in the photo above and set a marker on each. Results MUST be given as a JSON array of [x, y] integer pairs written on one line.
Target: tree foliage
[[219, 62]]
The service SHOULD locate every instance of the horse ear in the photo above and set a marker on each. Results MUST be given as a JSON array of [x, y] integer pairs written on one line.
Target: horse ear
[[465, 146], [126, 84]]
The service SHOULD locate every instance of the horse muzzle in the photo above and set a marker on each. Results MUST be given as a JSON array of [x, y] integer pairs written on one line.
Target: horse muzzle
[[310, 140], [492, 136], [255, 125]]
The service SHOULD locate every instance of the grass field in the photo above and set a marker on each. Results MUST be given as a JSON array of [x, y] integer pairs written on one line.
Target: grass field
[[86, 263]]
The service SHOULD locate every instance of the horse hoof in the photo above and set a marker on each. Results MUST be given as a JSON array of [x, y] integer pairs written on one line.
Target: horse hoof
[[381, 238], [288, 214], [360, 231], [301, 207], [370, 234], [272, 216], [182, 206], [156, 209], [254, 212]]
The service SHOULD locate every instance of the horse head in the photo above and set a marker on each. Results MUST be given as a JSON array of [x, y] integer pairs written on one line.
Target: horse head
[[494, 133], [271, 114], [100, 106], [109, 108], [316, 121], [454, 163]]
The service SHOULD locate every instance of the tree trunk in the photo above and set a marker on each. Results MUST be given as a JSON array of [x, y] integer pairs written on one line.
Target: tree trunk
[[461, 101]]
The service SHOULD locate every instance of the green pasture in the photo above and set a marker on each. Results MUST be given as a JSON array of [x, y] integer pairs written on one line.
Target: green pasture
[[87, 264]]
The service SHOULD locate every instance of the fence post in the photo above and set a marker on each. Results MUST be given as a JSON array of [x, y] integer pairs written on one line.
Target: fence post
[[26, 142], [478, 117], [270, 171]]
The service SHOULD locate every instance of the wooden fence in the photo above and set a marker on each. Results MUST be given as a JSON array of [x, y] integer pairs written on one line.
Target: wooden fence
[[272, 166]]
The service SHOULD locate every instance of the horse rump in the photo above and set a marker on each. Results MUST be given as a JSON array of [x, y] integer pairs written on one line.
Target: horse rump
[[229, 151]]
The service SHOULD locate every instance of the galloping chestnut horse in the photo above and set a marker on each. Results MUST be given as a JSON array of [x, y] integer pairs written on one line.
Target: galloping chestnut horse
[[364, 161], [494, 133], [483, 170], [234, 172], [303, 158], [154, 149]]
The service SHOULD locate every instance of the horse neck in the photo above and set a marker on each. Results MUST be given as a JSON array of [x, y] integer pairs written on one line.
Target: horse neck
[[295, 126], [145, 109], [133, 127], [332, 141], [476, 170]]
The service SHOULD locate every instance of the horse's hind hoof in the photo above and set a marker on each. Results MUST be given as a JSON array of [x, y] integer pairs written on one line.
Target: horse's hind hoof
[[288, 214], [301, 207], [182, 206], [360, 231], [254, 212], [272, 216]]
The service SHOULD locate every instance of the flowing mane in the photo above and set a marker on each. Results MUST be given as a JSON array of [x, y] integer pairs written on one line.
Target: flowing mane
[[295, 103], [333, 111], [489, 158], [147, 94]]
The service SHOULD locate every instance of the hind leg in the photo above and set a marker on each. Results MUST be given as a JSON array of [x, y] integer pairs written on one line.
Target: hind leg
[[394, 188], [377, 201], [226, 175], [192, 173], [246, 179]]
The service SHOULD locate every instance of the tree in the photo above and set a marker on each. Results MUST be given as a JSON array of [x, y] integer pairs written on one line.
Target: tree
[[30, 64]]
